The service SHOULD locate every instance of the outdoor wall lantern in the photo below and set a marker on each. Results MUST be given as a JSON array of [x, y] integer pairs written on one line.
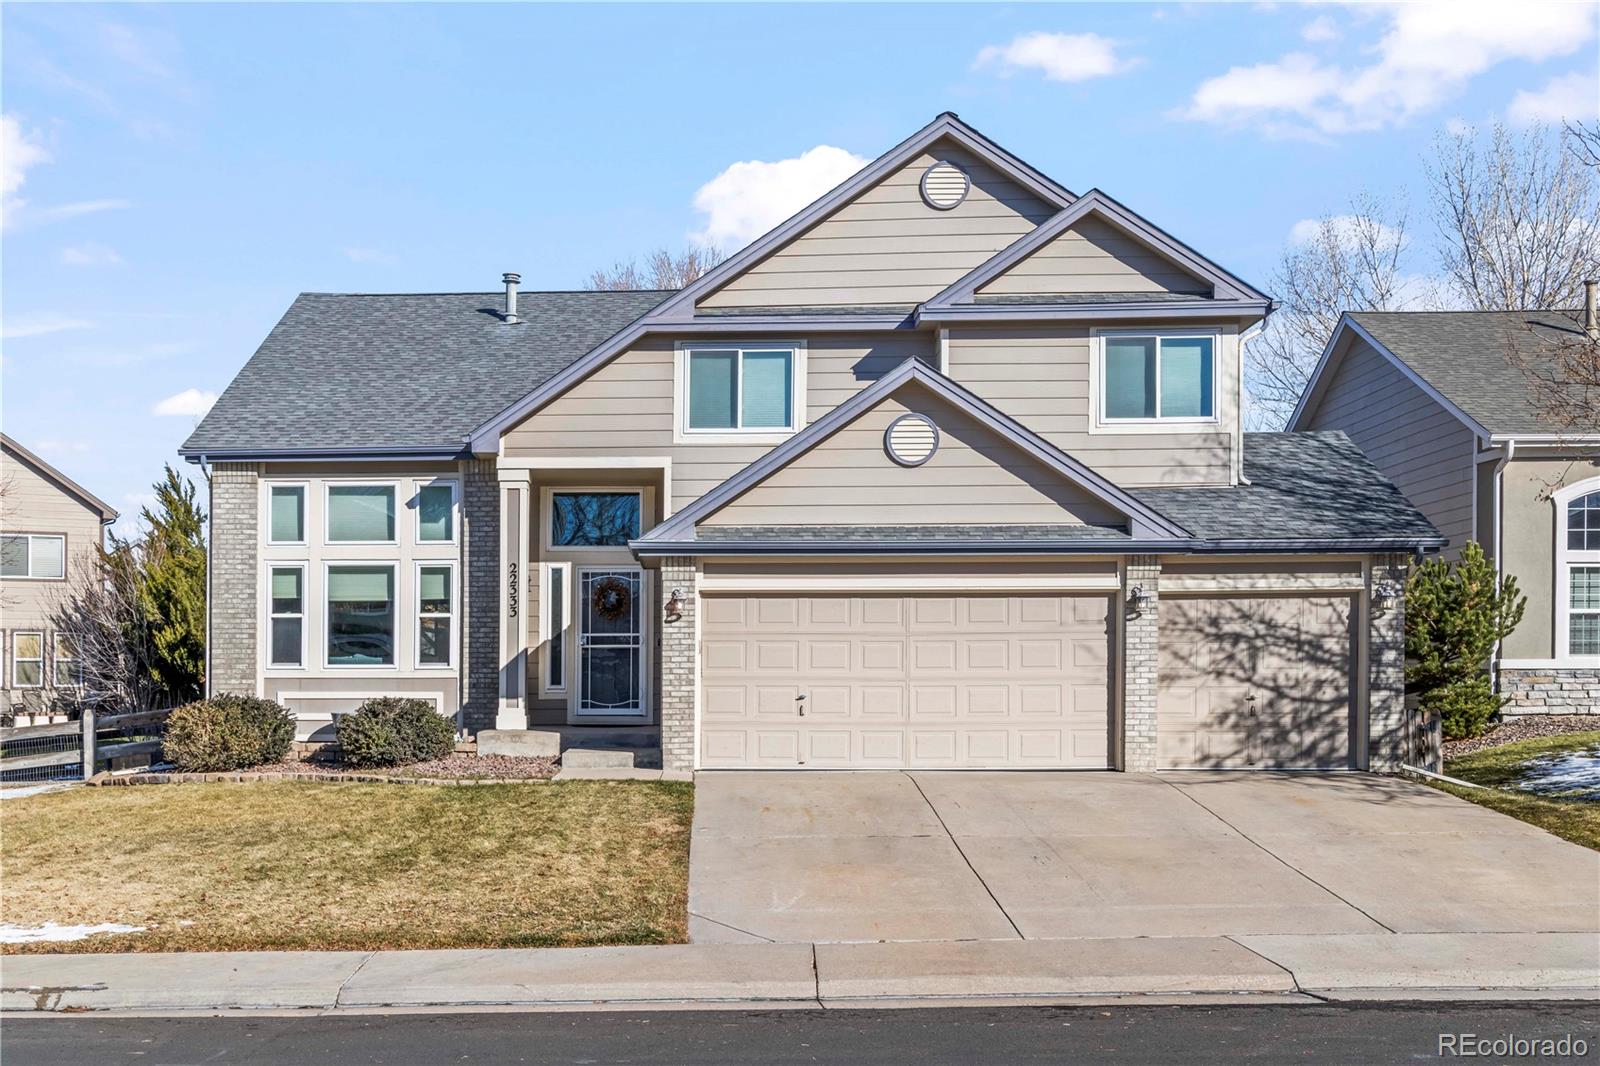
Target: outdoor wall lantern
[[1138, 600], [1385, 595], [674, 609]]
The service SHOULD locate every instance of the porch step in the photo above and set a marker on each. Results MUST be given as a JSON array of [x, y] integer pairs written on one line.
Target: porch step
[[595, 757], [526, 743]]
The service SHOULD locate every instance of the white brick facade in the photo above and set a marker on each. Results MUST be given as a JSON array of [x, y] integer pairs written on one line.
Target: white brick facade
[[234, 616]]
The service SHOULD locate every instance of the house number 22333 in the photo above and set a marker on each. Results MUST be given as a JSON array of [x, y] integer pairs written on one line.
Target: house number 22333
[[513, 588]]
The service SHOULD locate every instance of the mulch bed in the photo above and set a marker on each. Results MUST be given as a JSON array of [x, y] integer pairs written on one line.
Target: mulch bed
[[1525, 728], [498, 767]]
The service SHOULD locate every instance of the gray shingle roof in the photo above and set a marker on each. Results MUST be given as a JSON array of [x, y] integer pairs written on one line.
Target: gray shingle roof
[[1464, 355], [406, 371], [1090, 298], [901, 534], [1303, 486]]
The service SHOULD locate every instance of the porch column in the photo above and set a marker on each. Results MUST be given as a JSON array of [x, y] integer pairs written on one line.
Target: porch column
[[1392, 739], [680, 661], [1140, 651], [515, 488]]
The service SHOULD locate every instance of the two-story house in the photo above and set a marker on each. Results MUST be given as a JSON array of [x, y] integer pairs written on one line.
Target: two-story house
[[1443, 403], [50, 528], [947, 470]]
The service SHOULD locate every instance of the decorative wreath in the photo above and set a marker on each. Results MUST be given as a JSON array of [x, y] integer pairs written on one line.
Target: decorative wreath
[[610, 599]]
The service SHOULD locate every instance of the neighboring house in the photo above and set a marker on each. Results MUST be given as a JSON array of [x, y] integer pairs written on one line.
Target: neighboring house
[[50, 526], [1438, 401], [948, 470]]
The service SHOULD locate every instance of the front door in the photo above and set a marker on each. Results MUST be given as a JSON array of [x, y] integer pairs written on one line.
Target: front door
[[610, 612]]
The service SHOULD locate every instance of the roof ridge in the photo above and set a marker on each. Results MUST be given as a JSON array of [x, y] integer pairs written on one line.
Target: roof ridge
[[499, 292]]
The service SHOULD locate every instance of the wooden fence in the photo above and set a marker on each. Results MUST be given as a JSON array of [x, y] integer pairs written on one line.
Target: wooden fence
[[47, 751]]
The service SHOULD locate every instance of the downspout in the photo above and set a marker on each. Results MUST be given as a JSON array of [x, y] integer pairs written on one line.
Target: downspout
[[1238, 436], [1499, 545], [211, 518]]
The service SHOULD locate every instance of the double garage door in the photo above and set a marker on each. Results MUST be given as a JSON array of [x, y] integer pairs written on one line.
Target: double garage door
[[885, 681], [1016, 681]]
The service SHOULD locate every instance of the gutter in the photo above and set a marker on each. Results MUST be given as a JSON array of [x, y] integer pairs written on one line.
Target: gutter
[[413, 453], [645, 548], [1057, 312]]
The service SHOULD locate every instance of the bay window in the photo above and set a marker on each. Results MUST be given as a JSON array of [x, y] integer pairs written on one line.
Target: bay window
[[1157, 377]]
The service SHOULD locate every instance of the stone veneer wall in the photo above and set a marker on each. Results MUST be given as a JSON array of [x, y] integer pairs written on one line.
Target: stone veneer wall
[[480, 591], [679, 647], [1140, 658], [234, 572], [1552, 691], [1394, 735]]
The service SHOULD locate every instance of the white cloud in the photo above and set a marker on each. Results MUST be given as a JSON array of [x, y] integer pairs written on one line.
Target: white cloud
[[193, 403], [1345, 227], [89, 254], [1569, 98], [18, 154], [751, 197], [1320, 30], [57, 446], [1427, 54], [1057, 56], [61, 212], [38, 323], [368, 255]]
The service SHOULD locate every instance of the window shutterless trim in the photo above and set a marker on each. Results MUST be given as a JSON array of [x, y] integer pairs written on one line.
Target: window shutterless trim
[[303, 616], [1565, 560], [30, 538], [736, 434], [1101, 422], [392, 484], [417, 485], [547, 512], [305, 513], [453, 615], [55, 664], [17, 659], [546, 636], [393, 566]]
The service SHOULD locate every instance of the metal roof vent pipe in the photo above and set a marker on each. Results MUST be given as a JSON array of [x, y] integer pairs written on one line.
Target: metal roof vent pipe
[[511, 281], [1591, 316]]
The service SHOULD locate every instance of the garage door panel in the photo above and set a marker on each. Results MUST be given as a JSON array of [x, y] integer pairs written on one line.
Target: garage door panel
[[1255, 682], [934, 680]]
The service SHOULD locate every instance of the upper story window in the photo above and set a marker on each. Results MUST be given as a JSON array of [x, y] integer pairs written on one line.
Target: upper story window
[[436, 512], [361, 514], [1158, 377], [33, 555], [594, 519], [286, 522], [1577, 591], [740, 389]]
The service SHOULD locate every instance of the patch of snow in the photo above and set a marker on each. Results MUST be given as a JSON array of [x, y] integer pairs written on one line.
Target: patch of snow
[[52, 933], [1575, 774], [22, 792]]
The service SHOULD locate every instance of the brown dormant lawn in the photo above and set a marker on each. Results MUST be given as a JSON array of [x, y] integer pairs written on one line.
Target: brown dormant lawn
[[300, 865]]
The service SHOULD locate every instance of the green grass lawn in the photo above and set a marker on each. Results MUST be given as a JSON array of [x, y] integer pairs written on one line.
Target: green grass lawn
[[301, 865], [1577, 820]]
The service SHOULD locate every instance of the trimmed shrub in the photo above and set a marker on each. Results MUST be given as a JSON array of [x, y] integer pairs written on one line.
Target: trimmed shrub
[[227, 732], [391, 731], [1464, 707]]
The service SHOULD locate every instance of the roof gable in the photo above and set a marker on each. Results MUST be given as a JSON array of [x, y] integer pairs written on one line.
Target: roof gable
[[1080, 496], [65, 484]]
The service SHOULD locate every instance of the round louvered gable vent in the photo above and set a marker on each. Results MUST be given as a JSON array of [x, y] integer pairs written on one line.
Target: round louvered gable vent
[[945, 185], [911, 440]]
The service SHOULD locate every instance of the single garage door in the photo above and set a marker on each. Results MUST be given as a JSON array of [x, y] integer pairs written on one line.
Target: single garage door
[[893, 680], [1255, 682]]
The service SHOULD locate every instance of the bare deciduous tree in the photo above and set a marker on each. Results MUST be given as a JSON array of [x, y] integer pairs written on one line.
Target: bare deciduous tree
[[100, 612], [1518, 219], [663, 269], [1347, 262], [1583, 141]]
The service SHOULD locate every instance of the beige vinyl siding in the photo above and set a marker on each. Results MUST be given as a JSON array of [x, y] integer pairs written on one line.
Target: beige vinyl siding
[[1094, 256], [626, 407], [1530, 539], [975, 477], [34, 502], [1041, 377], [887, 246], [1421, 447]]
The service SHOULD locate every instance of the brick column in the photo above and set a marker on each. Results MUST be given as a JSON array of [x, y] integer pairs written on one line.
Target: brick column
[[235, 557], [1392, 738], [1140, 644], [680, 673], [480, 635]]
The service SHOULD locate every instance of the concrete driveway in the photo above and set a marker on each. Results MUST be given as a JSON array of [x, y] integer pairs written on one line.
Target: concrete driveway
[[956, 856]]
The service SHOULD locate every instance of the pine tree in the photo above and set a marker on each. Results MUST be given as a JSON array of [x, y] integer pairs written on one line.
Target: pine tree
[[172, 592], [1455, 614]]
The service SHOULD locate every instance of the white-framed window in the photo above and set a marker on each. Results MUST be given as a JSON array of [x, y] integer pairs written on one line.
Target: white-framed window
[[286, 614], [286, 513], [360, 614], [592, 518], [360, 513], [66, 666], [27, 660], [1155, 377], [436, 614], [1577, 592], [33, 556], [742, 391], [555, 621], [436, 503]]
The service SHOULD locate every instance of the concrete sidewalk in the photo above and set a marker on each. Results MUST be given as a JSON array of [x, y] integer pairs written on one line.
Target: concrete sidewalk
[[1330, 966]]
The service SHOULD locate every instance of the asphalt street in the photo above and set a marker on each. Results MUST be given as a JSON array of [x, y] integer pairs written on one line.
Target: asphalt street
[[1184, 1036]]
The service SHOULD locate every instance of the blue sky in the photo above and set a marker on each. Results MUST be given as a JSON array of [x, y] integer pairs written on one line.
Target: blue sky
[[174, 175]]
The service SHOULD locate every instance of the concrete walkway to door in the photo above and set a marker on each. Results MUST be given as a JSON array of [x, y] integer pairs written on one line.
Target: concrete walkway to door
[[820, 856]]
